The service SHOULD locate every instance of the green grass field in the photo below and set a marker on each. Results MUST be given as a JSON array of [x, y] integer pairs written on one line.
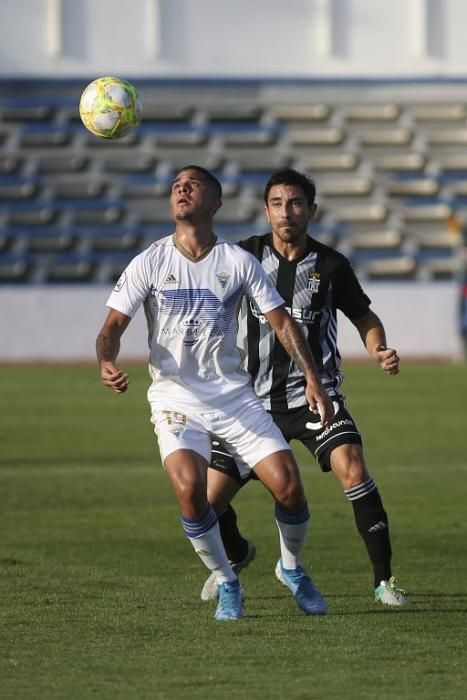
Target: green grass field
[[99, 588]]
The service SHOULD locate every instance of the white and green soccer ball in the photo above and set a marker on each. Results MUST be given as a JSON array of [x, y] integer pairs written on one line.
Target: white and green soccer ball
[[110, 107]]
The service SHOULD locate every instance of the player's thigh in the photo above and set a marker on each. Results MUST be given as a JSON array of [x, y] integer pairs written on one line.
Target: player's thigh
[[223, 462], [222, 488], [248, 433], [176, 431], [321, 440]]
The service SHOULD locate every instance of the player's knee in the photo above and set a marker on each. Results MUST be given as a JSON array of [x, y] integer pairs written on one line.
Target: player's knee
[[348, 465], [191, 494], [289, 492]]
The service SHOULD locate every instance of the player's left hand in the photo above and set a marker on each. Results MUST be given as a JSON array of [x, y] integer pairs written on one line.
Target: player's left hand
[[388, 359]]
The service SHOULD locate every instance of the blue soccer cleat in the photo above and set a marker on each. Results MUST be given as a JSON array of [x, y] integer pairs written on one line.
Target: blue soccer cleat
[[230, 606], [306, 594], [210, 590]]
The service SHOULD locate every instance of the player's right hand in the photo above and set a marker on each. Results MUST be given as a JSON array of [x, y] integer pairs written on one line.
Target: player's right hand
[[320, 404], [114, 378]]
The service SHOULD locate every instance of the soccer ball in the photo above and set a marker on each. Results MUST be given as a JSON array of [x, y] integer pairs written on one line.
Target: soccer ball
[[110, 107]]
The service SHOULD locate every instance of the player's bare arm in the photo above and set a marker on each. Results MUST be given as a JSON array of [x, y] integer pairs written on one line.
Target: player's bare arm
[[374, 338], [107, 349], [295, 344]]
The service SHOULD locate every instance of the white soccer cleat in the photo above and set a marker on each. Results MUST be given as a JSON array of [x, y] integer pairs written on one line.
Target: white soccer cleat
[[210, 589], [388, 594]]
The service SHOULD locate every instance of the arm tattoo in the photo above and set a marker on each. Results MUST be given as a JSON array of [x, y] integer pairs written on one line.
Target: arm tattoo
[[295, 344], [107, 347]]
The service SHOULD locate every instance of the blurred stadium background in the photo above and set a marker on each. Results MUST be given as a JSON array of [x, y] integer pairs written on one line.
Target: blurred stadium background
[[368, 97]]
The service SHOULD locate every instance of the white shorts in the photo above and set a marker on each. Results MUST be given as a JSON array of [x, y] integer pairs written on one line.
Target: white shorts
[[245, 428]]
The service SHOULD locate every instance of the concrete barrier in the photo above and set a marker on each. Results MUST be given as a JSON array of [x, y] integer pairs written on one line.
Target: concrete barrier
[[60, 323]]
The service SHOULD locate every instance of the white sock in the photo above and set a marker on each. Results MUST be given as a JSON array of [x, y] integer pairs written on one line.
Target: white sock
[[292, 535], [210, 549]]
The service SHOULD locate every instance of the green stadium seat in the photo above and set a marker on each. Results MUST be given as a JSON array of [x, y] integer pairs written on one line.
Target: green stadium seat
[[71, 188], [427, 213], [384, 112], [348, 186], [306, 113], [21, 114], [323, 137], [18, 190], [400, 162], [385, 138], [421, 187], [314, 161], [447, 137], [47, 239], [390, 269], [63, 163], [160, 112], [130, 162], [69, 271], [10, 163], [32, 217], [385, 239], [111, 213], [438, 112], [255, 159], [14, 269], [44, 139], [361, 213]]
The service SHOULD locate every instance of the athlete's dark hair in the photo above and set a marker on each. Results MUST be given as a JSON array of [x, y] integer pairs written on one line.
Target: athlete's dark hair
[[212, 179], [288, 176]]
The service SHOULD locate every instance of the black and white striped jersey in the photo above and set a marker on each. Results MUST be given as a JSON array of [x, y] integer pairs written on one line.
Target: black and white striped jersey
[[313, 287]]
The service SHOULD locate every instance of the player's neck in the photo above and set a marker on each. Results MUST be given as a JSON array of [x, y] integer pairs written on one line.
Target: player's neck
[[194, 242], [290, 250]]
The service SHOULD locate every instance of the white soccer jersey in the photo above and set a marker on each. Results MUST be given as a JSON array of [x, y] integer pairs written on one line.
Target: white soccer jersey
[[191, 311]]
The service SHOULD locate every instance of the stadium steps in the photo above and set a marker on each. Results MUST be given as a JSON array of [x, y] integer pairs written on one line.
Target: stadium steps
[[391, 175]]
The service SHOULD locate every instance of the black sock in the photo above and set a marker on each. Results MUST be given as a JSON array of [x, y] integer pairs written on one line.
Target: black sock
[[236, 546], [372, 524]]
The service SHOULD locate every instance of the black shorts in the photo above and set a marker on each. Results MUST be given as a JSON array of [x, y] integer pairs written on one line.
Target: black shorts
[[303, 425]]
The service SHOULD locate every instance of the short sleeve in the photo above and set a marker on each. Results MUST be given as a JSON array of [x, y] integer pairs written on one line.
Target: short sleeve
[[349, 297], [132, 287], [258, 287]]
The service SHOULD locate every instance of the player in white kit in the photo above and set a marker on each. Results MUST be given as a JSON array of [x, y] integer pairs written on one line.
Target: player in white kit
[[191, 285]]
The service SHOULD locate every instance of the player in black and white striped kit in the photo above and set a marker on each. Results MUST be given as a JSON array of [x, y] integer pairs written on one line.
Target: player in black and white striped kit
[[315, 281]]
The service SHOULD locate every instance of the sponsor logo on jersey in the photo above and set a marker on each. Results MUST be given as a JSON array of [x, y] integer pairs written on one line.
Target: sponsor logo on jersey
[[192, 330], [223, 278], [121, 281], [313, 282], [171, 279], [329, 428], [306, 316]]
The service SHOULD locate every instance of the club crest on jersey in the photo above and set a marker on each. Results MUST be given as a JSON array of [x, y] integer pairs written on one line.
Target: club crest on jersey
[[170, 279], [223, 278], [192, 331], [313, 282]]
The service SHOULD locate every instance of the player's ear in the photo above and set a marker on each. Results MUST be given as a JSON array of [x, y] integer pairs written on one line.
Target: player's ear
[[266, 213], [217, 206], [313, 210]]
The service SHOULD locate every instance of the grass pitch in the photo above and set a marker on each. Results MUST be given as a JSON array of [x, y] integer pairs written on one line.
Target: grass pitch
[[99, 588]]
